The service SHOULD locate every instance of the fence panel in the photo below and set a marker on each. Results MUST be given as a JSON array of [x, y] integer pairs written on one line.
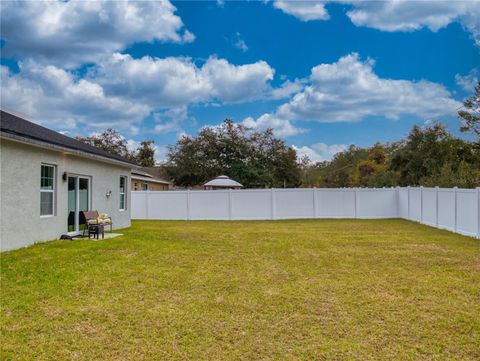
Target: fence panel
[[467, 204], [429, 202], [255, 204], [335, 203], [415, 204], [166, 205], [403, 203], [377, 203], [139, 205], [294, 203], [209, 205], [454, 209], [446, 208]]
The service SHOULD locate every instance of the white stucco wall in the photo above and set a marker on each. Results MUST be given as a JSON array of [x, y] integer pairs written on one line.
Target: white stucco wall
[[20, 221]]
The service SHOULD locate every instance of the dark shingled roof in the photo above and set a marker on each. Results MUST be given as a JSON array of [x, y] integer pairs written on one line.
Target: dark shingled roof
[[13, 125], [141, 172]]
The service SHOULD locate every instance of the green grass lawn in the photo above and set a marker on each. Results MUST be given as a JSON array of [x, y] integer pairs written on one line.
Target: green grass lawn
[[284, 290]]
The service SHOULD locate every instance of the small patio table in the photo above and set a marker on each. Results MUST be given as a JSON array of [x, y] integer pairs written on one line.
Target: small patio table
[[95, 230]]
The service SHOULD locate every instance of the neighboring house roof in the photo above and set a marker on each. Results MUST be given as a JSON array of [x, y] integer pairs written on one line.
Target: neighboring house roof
[[141, 175], [155, 171], [16, 128], [223, 181]]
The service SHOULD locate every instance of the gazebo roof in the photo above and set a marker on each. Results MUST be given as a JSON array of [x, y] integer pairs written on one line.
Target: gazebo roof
[[223, 181]]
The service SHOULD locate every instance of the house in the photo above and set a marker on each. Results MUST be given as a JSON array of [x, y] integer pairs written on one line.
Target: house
[[222, 182], [47, 178], [145, 181]]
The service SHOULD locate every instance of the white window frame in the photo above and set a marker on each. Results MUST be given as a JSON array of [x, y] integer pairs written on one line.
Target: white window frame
[[53, 190], [146, 186], [124, 193]]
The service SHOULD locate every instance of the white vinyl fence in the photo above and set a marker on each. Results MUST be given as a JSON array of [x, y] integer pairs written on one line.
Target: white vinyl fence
[[454, 209]]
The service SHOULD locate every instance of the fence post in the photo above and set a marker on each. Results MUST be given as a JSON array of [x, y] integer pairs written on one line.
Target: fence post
[[421, 204], [408, 202], [455, 208], [272, 203], [230, 204], [355, 201], [436, 207], [188, 204], [147, 196], [397, 200], [315, 201], [478, 212]]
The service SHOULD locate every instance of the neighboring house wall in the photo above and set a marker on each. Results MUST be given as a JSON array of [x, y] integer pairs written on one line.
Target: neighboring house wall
[[137, 185], [20, 221]]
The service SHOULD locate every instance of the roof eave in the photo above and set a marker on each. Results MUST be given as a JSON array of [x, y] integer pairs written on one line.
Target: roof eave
[[45, 145], [153, 180]]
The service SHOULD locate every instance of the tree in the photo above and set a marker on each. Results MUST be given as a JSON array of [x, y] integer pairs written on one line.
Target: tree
[[464, 176], [429, 156], [368, 169], [470, 114], [339, 172], [422, 154], [253, 158], [110, 141], [113, 142], [145, 153]]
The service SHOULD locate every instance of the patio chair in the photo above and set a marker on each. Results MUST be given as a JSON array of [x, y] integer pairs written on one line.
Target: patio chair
[[94, 218]]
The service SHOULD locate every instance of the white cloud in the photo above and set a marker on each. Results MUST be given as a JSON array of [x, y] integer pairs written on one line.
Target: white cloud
[[161, 152], [167, 127], [414, 15], [134, 130], [467, 82], [69, 33], [241, 44], [173, 82], [281, 127], [394, 15], [132, 145], [303, 10], [171, 120], [166, 82], [121, 91], [320, 152], [349, 90], [55, 97], [286, 89], [233, 84]]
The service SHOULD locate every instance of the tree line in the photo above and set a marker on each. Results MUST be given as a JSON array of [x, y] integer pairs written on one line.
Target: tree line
[[428, 156]]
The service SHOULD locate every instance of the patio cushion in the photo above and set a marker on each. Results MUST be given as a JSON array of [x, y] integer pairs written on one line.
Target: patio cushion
[[100, 221]]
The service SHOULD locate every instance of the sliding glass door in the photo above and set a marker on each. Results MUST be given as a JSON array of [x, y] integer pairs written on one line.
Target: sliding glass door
[[78, 201]]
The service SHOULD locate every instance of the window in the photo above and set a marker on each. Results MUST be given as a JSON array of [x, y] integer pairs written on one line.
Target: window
[[135, 186], [144, 186], [123, 193], [47, 190]]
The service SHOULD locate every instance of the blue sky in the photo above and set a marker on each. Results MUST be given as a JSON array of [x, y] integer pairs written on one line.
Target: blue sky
[[323, 74]]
